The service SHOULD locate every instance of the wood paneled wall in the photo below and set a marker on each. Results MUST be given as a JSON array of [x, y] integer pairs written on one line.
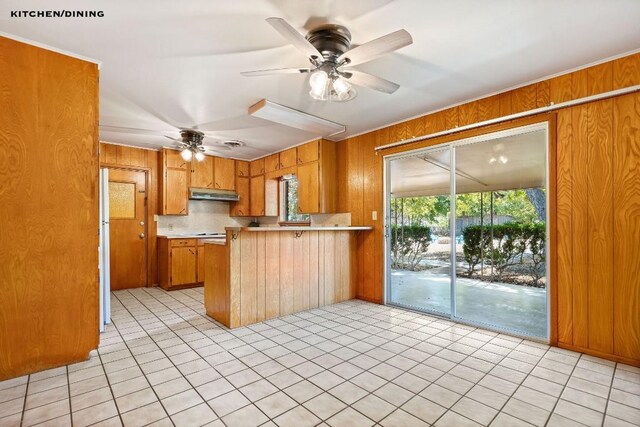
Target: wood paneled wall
[[120, 156], [598, 157], [48, 209], [264, 275]]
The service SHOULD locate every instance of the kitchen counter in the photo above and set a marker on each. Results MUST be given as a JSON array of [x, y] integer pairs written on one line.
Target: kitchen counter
[[261, 273], [302, 228], [192, 236]]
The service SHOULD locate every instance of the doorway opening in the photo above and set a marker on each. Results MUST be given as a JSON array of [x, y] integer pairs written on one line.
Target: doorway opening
[[467, 231]]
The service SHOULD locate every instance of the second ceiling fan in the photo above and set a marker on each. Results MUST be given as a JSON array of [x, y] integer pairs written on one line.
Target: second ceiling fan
[[328, 48]]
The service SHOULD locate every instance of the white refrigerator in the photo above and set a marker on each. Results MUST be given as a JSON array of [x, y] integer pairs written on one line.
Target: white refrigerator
[[103, 251]]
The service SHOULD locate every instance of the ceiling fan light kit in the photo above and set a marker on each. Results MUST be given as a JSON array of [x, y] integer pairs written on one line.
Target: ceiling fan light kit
[[328, 48]]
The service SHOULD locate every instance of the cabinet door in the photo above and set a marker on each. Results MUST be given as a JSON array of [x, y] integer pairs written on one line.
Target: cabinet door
[[224, 171], [200, 272], [257, 196], [272, 163], [202, 173], [176, 192], [242, 168], [257, 167], [308, 152], [175, 160], [183, 265], [308, 188], [241, 207], [288, 158]]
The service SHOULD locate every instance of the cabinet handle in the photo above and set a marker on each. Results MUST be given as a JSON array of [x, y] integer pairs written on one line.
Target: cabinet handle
[[299, 161], [183, 209], [191, 252], [210, 184], [217, 185]]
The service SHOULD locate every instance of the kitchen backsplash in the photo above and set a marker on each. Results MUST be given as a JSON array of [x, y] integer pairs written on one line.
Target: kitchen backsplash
[[203, 216]]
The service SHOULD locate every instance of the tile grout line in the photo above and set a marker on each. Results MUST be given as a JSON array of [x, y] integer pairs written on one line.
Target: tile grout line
[[606, 405], [562, 392], [139, 367], [108, 383], [24, 402]]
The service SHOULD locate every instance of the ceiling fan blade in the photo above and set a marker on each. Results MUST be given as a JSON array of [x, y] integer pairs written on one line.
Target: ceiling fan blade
[[276, 71], [179, 141], [294, 37], [372, 82], [380, 46], [131, 130]]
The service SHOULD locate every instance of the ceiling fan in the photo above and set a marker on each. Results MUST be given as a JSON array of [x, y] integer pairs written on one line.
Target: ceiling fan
[[191, 144], [328, 48]]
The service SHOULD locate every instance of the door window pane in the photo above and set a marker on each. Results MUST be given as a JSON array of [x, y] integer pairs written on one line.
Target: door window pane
[[501, 230], [122, 200]]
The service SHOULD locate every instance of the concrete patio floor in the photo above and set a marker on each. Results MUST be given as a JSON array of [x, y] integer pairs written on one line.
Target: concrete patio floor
[[518, 308]]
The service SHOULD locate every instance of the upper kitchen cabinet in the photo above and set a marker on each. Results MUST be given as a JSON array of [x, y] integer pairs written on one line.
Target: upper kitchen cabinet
[[224, 173], [257, 167], [243, 206], [174, 183], [309, 152], [317, 179], [202, 173], [242, 168], [288, 158], [272, 163]]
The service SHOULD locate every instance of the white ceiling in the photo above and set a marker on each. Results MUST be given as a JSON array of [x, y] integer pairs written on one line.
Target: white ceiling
[[505, 163], [169, 64]]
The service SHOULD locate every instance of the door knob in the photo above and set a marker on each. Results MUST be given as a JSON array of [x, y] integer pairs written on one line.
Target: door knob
[[142, 235], [141, 222]]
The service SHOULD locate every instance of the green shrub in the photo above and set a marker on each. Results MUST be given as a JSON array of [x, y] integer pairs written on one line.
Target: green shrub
[[510, 242], [409, 245]]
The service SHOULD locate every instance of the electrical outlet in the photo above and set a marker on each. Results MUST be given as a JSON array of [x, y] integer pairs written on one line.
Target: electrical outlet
[[170, 227], [374, 215]]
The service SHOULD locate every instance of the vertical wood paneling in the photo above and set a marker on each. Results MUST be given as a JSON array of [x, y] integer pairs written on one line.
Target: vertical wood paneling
[[542, 94], [505, 103], [130, 156], [565, 228], [626, 71], [313, 269], [261, 276], [600, 78], [329, 260], [524, 99], [488, 108], [450, 118], [234, 281], [579, 84], [48, 209], [468, 113], [301, 272], [321, 276], [560, 89], [416, 127], [272, 275], [286, 273], [580, 227], [626, 179], [108, 154], [600, 225], [248, 279]]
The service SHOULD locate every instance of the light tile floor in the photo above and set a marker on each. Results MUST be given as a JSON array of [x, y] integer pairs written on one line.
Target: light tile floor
[[163, 362]]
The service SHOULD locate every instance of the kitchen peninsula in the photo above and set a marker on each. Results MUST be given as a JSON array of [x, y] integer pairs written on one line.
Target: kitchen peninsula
[[260, 273]]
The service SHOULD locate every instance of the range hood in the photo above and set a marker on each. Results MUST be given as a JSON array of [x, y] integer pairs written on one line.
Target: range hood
[[213, 195]]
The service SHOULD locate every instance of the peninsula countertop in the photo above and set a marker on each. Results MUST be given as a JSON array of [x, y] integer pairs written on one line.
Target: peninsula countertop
[[302, 228]]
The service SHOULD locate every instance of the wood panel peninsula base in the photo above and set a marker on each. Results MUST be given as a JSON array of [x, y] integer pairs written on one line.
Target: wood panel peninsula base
[[266, 272]]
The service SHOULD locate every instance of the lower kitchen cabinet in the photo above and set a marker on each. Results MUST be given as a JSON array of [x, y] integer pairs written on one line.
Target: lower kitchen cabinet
[[180, 263]]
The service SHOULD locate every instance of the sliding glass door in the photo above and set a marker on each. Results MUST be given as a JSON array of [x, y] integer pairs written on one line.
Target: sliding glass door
[[485, 264], [419, 232]]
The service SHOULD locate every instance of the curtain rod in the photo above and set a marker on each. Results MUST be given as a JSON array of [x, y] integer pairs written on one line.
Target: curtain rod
[[552, 107]]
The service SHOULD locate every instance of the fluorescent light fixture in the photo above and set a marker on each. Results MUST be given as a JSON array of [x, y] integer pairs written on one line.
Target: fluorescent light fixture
[[277, 113]]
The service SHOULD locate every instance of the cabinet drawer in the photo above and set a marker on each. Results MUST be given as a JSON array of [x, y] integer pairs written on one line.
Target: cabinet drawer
[[182, 242]]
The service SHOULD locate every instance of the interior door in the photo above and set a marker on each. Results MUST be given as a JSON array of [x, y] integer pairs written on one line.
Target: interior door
[[128, 229]]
